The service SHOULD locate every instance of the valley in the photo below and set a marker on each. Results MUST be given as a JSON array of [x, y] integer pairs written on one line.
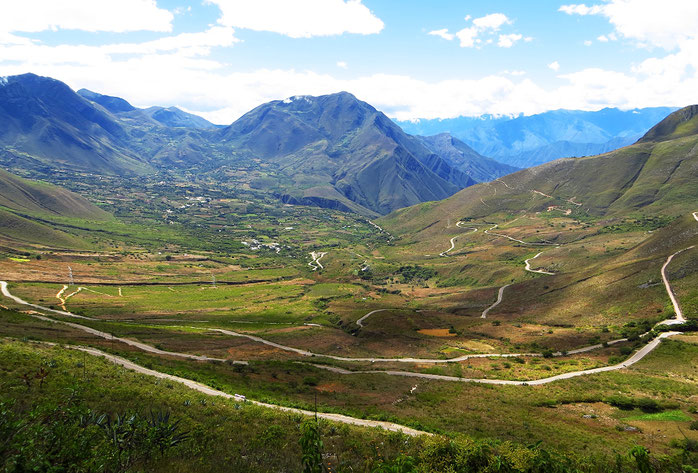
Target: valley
[[555, 303]]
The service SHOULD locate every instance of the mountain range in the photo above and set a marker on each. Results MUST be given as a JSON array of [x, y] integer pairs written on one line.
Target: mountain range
[[332, 151], [527, 141], [655, 176]]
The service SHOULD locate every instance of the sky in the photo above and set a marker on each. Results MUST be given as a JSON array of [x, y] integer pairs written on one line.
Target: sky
[[412, 59]]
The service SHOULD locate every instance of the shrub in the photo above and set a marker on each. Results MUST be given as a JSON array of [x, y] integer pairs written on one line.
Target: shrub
[[621, 402], [648, 405]]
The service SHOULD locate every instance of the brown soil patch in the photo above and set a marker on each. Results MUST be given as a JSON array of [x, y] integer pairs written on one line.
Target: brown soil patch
[[331, 388], [437, 332]]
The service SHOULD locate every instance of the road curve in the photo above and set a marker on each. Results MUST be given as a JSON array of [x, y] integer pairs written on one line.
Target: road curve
[[315, 264], [360, 322], [539, 271], [677, 308], [500, 296], [453, 240], [202, 388]]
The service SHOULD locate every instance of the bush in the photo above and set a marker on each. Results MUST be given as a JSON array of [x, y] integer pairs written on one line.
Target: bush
[[415, 272], [648, 405], [621, 402], [310, 381]]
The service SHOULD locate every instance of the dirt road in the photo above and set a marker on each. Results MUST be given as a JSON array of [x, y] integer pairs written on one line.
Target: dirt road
[[500, 296], [202, 388]]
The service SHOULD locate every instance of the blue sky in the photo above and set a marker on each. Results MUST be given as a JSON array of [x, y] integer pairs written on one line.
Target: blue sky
[[413, 59]]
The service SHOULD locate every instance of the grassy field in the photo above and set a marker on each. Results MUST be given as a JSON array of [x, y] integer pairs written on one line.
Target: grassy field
[[63, 413], [175, 265]]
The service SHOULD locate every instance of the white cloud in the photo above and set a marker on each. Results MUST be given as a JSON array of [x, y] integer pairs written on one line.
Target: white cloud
[[185, 45], [300, 18], [481, 32], [492, 21], [606, 38], [222, 96], [342, 65], [442, 33], [117, 16], [508, 40], [664, 24], [555, 66], [179, 70], [468, 37], [587, 42], [581, 9]]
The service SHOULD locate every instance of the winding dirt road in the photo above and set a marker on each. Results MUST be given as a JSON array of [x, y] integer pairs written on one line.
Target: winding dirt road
[[539, 271], [677, 308], [360, 322], [453, 240], [315, 263], [500, 296]]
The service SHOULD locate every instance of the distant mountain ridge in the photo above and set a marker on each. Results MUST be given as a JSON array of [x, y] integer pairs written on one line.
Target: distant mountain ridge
[[170, 116], [531, 140], [331, 151], [655, 176], [463, 157]]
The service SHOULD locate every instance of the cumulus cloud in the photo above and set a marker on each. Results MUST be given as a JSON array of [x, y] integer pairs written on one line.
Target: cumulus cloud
[[508, 40], [442, 33], [222, 96], [119, 16], [664, 24], [468, 37], [180, 70], [300, 18], [581, 9], [481, 31], [493, 21], [606, 38]]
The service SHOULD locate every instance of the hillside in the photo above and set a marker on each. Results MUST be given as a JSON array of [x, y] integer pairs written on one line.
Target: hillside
[[656, 175], [46, 123], [27, 208], [526, 141]]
